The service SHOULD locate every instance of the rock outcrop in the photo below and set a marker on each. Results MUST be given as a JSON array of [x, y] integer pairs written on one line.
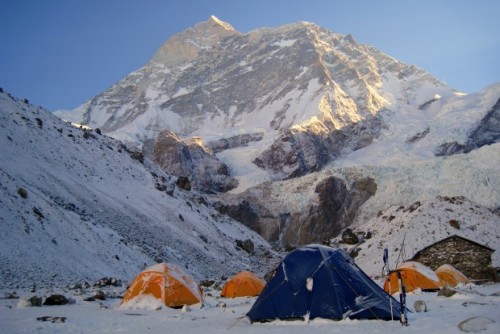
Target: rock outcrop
[[332, 208], [192, 161], [486, 133]]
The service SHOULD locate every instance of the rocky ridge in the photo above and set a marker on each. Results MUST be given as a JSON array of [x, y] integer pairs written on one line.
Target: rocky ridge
[[312, 93]]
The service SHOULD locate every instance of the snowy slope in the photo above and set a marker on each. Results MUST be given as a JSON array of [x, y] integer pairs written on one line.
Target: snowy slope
[[414, 134], [75, 205], [421, 224]]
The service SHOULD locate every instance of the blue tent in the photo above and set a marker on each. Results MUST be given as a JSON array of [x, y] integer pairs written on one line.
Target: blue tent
[[320, 281]]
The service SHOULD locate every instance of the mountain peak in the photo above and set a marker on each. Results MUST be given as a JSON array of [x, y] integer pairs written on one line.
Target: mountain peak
[[214, 20], [186, 45]]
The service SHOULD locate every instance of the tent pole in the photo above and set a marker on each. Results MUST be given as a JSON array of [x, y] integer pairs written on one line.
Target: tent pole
[[387, 273]]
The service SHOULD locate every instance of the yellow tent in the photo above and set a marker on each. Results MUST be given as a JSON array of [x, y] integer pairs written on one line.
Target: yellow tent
[[244, 284], [165, 282], [449, 276], [414, 276]]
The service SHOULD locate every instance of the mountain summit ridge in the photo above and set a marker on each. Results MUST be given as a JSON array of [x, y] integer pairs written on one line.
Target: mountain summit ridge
[[298, 83], [186, 45]]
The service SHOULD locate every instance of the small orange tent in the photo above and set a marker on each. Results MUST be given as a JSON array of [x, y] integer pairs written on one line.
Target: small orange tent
[[449, 276], [244, 284], [165, 282], [414, 276]]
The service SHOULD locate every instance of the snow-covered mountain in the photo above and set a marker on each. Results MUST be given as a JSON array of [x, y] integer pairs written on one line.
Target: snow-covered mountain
[[77, 205], [296, 132], [308, 94], [307, 131], [282, 102]]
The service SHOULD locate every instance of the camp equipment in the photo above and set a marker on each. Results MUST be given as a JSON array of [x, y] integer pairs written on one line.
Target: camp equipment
[[320, 281], [414, 276], [165, 282], [244, 284]]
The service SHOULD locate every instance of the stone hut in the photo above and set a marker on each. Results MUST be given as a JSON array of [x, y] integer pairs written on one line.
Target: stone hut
[[471, 258]]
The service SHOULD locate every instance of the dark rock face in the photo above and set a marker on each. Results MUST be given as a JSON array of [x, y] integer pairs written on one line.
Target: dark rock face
[[233, 142], [172, 154], [486, 133], [245, 214], [335, 209], [425, 105], [192, 161], [297, 153], [451, 148]]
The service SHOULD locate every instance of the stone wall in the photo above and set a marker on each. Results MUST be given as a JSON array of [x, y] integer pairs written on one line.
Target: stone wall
[[472, 259]]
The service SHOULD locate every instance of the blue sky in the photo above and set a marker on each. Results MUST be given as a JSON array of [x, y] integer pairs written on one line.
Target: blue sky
[[60, 53]]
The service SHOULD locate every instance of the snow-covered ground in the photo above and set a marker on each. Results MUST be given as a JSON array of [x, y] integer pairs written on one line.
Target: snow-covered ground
[[75, 205], [405, 230], [443, 316]]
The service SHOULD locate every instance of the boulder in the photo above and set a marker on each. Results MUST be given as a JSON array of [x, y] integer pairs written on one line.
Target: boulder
[[420, 306], [56, 299], [35, 301], [247, 245], [349, 237], [183, 183], [447, 292]]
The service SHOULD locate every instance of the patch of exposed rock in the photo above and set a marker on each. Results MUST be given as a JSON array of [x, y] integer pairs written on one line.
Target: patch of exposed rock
[[223, 144], [192, 161], [296, 153], [486, 133], [336, 210], [333, 209]]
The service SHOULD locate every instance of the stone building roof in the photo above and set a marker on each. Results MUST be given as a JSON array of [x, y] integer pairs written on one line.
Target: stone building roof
[[450, 237]]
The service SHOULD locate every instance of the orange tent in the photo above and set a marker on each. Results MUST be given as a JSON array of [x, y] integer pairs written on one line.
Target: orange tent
[[244, 284], [166, 283], [414, 276], [449, 276]]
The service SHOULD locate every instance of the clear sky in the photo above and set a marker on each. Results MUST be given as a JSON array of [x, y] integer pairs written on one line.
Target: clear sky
[[60, 53]]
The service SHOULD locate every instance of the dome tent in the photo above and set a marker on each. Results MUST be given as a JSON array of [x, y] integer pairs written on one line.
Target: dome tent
[[320, 281], [414, 276], [244, 284], [449, 276], [164, 283]]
